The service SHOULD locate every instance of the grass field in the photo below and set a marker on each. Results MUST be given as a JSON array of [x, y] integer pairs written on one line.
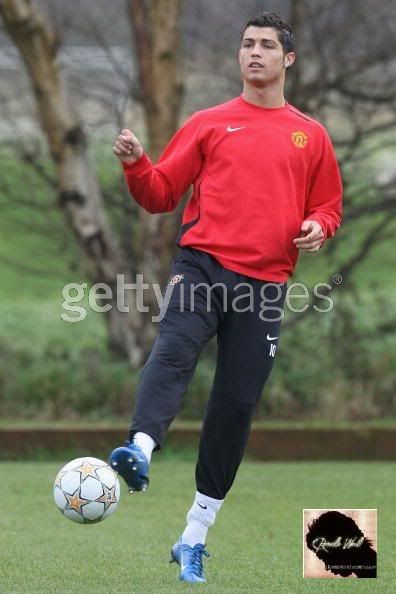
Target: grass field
[[256, 545]]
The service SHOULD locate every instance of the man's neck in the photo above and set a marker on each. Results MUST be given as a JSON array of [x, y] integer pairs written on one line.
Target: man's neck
[[264, 96]]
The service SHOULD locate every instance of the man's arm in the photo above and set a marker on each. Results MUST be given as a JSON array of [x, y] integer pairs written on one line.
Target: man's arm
[[158, 188], [323, 212]]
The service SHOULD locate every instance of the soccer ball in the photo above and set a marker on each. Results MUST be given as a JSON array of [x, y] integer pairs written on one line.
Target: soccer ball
[[86, 490]]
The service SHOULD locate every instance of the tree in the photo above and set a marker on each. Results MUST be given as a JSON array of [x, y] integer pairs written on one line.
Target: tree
[[80, 196], [157, 41]]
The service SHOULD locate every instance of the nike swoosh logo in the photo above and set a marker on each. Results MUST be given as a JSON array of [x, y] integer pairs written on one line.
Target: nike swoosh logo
[[203, 506], [272, 337], [229, 129]]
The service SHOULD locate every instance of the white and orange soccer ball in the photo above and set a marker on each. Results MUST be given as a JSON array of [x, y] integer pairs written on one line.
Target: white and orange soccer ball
[[86, 490]]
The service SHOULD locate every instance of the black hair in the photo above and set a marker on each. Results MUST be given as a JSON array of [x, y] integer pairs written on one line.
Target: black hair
[[271, 19], [337, 540]]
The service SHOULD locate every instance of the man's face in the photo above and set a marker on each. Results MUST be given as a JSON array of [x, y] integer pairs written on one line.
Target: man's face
[[261, 56]]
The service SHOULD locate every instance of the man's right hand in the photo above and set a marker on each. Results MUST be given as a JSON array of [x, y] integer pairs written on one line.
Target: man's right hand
[[127, 147]]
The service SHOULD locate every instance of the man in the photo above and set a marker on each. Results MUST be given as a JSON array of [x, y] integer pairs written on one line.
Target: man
[[266, 186]]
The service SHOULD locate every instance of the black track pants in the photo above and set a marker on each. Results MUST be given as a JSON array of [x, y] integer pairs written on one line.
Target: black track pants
[[205, 299]]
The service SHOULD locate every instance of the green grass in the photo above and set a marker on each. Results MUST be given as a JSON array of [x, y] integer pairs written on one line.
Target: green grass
[[39, 323], [255, 546]]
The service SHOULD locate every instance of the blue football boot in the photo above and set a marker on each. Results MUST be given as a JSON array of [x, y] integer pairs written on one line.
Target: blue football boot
[[130, 462], [190, 561]]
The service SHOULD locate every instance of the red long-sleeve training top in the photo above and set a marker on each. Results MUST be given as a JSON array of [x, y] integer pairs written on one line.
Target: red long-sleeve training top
[[257, 174]]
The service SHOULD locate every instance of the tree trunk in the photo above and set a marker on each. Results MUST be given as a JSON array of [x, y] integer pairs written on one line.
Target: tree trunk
[[157, 37], [79, 194]]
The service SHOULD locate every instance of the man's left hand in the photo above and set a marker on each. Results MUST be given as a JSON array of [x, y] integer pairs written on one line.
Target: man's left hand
[[313, 237]]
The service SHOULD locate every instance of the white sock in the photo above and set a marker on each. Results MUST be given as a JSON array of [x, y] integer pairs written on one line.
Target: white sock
[[145, 442], [201, 515]]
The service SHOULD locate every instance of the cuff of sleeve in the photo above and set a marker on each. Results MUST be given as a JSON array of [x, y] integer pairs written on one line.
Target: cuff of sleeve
[[138, 166]]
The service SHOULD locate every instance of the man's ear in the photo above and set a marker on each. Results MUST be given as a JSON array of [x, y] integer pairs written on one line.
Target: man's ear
[[289, 59]]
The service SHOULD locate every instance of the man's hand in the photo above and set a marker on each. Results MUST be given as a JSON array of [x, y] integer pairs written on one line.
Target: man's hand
[[127, 147], [312, 239]]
